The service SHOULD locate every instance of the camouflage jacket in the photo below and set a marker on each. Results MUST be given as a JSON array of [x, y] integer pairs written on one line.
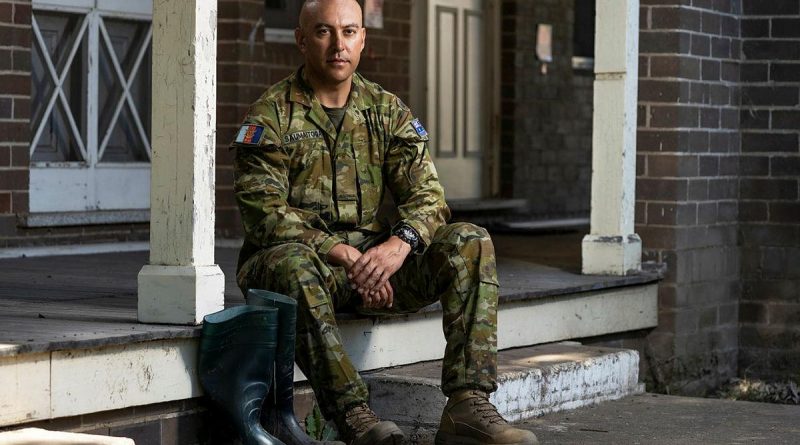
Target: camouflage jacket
[[297, 180]]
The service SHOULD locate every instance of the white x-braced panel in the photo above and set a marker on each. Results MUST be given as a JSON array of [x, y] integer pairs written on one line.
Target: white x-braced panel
[[58, 83], [125, 82]]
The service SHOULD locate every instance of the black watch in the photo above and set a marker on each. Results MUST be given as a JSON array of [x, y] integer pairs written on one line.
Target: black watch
[[408, 235]]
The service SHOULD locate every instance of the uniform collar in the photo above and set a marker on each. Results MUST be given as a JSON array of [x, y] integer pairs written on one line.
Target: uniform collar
[[302, 93]]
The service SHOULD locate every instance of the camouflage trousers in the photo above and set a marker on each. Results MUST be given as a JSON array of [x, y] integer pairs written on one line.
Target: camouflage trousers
[[458, 269]]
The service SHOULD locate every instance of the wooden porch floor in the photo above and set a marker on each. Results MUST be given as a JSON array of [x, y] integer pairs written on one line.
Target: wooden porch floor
[[84, 301]]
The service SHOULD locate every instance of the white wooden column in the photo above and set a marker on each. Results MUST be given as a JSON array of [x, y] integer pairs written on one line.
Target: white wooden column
[[612, 247], [181, 283]]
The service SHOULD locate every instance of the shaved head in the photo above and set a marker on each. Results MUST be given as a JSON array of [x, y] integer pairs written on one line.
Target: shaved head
[[310, 8]]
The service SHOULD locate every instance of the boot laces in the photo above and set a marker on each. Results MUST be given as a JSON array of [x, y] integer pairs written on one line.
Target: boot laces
[[486, 410], [360, 419]]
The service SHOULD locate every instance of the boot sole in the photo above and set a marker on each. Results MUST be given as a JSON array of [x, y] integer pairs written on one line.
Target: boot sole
[[443, 438]]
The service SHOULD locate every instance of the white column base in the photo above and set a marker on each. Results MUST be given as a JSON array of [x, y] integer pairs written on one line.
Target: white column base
[[180, 294], [611, 255]]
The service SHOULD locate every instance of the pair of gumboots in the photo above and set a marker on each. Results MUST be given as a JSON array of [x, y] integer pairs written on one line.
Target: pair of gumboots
[[243, 350]]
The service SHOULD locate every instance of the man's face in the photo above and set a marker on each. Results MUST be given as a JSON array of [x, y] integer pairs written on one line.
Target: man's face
[[331, 38]]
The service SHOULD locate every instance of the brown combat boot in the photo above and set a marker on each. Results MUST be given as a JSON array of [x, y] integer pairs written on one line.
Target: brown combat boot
[[361, 426], [469, 418]]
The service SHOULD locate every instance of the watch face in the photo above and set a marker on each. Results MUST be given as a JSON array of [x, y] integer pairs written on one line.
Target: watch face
[[408, 235]]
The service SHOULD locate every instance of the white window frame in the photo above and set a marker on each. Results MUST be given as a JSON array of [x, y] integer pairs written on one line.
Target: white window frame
[[91, 185]]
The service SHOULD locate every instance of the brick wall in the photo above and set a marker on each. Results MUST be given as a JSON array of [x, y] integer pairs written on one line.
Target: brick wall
[[546, 131], [769, 209], [15, 110], [687, 186], [247, 67]]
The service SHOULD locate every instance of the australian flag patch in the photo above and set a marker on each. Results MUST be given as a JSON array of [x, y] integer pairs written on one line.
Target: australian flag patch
[[419, 128], [249, 134]]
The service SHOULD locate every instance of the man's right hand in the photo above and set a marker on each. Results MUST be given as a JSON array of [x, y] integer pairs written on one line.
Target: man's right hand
[[345, 256]]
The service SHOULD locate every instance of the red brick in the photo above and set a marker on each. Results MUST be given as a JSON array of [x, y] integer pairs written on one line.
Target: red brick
[[784, 212], [6, 13], [661, 189], [674, 116], [15, 131], [14, 180], [14, 36], [761, 142], [701, 45], [15, 84], [5, 202], [711, 23], [769, 188], [751, 211], [674, 66], [19, 202], [20, 156], [22, 13]]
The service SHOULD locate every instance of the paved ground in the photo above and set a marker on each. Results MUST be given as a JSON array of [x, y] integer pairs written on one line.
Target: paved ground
[[660, 420]]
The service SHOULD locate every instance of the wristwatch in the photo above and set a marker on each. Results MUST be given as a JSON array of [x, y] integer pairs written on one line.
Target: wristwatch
[[408, 235]]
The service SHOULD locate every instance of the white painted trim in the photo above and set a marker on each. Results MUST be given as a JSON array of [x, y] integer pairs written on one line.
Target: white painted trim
[[81, 249], [41, 436], [122, 8], [63, 5], [179, 294], [55, 219], [91, 249], [44, 385], [68, 383], [384, 342]]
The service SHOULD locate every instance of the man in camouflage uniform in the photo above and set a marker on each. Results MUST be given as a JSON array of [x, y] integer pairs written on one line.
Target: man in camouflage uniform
[[314, 158]]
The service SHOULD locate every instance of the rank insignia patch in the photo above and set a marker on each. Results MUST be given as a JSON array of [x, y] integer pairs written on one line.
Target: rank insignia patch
[[249, 134], [419, 128]]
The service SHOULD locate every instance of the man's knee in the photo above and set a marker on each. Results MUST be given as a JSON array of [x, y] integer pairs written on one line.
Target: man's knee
[[462, 234], [280, 267], [290, 259]]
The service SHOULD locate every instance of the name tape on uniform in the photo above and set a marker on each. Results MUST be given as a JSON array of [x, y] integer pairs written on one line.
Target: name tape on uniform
[[249, 134], [301, 135]]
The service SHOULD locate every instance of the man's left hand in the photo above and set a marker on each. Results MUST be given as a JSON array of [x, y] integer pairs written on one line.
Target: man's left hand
[[374, 268]]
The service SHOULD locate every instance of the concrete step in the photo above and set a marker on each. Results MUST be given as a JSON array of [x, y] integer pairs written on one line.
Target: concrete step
[[532, 381]]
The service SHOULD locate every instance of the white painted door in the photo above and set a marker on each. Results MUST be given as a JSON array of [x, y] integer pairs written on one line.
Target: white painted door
[[90, 145], [458, 105]]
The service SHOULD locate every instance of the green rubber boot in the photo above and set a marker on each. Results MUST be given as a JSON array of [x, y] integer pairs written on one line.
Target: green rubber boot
[[280, 418], [237, 352]]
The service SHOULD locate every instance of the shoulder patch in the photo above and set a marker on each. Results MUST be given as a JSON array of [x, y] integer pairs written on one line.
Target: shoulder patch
[[419, 128], [249, 134]]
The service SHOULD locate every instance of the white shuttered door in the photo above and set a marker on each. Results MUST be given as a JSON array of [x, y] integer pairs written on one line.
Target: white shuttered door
[[90, 146]]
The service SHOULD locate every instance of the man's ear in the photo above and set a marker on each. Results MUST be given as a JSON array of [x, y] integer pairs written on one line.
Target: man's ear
[[300, 39], [363, 37]]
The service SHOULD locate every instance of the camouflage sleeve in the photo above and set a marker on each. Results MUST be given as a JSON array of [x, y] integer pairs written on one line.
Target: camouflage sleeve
[[412, 178], [261, 187]]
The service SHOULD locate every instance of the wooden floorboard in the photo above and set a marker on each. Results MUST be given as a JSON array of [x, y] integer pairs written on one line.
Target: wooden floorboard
[[57, 302]]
